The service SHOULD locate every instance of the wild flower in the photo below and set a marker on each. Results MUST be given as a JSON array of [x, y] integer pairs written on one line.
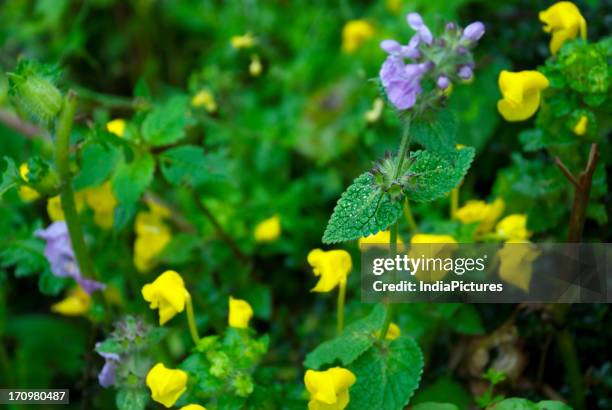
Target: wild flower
[[513, 227], [76, 303], [152, 236], [168, 294], [103, 202], [581, 125], [26, 193], [54, 206], [479, 211], [382, 237], [354, 34], [255, 66], [329, 389], [564, 22], [117, 127], [246, 40], [432, 246], [427, 63], [268, 230], [166, 385], [240, 313], [204, 98], [193, 407], [521, 94], [60, 255], [333, 267], [106, 377], [516, 259]]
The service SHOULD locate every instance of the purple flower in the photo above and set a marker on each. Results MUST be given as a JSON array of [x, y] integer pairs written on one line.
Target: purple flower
[[423, 33], [60, 255], [394, 48], [473, 32], [465, 72], [106, 378], [443, 82], [402, 81]]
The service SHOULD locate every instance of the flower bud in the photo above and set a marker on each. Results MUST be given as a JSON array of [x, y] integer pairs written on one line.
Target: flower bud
[[443, 82], [42, 177], [33, 90], [465, 72], [473, 32]]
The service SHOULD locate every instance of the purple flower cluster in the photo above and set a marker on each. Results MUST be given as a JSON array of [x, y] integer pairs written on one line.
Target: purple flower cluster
[[443, 60], [60, 255], [106, 377]]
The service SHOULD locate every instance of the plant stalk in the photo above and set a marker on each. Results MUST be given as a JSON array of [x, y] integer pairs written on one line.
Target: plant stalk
[[410, 217], [341, 300], [390, 306], [403, 149], [193, 329]]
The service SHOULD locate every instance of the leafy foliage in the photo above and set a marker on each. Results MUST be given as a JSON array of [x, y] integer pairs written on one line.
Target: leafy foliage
[[362, 210], [165, 124], [435, 131]]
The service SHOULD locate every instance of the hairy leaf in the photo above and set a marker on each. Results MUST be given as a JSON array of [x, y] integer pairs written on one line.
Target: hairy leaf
[[132, 399], [434, 175], [97, 163], [166, 123], [362, 210], [387, 375], [132, 179], [352, 343], [436, 131], [189, 164]]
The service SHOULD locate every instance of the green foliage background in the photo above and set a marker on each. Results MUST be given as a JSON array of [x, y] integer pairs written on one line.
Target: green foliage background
[[286, 142]]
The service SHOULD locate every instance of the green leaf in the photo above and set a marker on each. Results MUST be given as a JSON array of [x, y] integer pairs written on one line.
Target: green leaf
[[552, 405], [26, 254], [514, 404], [10, 177], [435, 406], [132, 399], [362, 210], [97, 163], [435, 175], [49, 284], [189, 164], [166, 123], [467, 321], [387, 375], [446, 388], [436, 131], [132, 179], [352, 343]]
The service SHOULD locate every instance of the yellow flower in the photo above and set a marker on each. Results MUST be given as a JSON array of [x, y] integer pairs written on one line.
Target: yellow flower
[[204, 98], [516, 263], [432, 246], [377, 108], [245, 41], [76, 303], [564, 21], [332, 266], [480, 211], [26, 193], [193, 407], [392, 333], [240, 312], [103, 203], [166, 385], [329, 389], [152, 236], [394, 6], [166, 293], [157, 208], [354, 34], [54, 206], [382, 237], [513, 227], [268, 230], [581, 126], [117, 127], [521, 94], [255, 67]]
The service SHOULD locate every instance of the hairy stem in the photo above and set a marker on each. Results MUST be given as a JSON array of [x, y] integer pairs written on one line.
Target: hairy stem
[[62, 163], [403, 149], [193, 329], [454, 201], [390, 306], [341, 300], [410, 217]]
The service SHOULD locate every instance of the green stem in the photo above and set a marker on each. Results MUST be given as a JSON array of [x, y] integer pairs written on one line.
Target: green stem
[[403, 149], [341, 299], [390, 306], [193, 329], [454, 201], [410, 217], [62, 163], [111, 101]]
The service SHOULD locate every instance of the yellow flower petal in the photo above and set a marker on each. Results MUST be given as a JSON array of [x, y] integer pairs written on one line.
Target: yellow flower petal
[[76, 303], [240, 313], [152, 236], [479, 211], [255, 66], [245, 41], [516, 263], [581, 126], [268, 230], [103, 202], [521, 94], [432, 246], [333, 267], [166, 385], [54, 206], [117, 127], [204, 98], [513, 227], [166, 293], [354, 34], [193, 407], [329, 389], [564, 22]]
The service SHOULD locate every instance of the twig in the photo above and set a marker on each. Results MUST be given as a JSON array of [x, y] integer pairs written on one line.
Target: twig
[[568, 174], [582, 191], [27, 129]]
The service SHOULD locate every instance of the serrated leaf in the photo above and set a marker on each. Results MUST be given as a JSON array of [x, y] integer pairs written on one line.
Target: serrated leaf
[[387, 375], [166, 123], [363, 209], [354, 341], [435, 175], [132, 399], [132, 179], [189, 164], [436, 131], [97, 163], [9, 177]]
